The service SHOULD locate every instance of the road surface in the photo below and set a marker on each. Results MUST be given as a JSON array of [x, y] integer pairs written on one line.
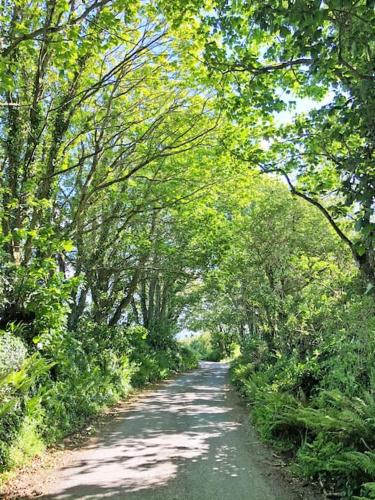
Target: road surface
[[189, 439]]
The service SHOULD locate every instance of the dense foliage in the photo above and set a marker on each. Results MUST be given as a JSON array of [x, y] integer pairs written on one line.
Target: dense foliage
[[158, 172], [94, 104], [287, 293], [272, 52]]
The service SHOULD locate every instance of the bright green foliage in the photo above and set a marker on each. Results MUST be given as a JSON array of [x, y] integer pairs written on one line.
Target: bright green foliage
[[134, 141], [286, 291], [12, 353], [95, 256], [92, 368], [265, 56], [205, 347], [19, 404]]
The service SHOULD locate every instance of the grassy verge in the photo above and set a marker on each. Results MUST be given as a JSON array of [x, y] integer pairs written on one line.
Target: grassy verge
[[329, 436]]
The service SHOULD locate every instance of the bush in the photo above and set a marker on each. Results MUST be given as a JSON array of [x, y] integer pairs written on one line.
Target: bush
[[204, 347], [157, 365], [12, 353], [19, 403], [187, 358]]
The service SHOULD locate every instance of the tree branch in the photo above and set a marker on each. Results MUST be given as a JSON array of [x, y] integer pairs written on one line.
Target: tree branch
[[267, 69], [52, 29], [324, 211]]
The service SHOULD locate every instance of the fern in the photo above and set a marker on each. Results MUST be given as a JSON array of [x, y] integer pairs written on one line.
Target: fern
[[354, 462], [368, 492], [16, 384]]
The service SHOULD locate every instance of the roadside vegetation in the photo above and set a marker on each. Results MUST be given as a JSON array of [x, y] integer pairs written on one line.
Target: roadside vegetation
[[190, 165], [293, 302]]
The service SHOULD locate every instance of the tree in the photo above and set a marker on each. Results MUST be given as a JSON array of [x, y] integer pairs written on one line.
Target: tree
[[265, 51], [275, 273], [83, 146]]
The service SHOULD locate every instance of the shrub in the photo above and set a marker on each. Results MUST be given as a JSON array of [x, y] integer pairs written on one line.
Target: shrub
[[204, 347], [12, 353], [19, 401]]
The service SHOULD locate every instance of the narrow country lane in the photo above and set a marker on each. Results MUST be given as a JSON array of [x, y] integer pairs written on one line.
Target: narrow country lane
[[187, 440]]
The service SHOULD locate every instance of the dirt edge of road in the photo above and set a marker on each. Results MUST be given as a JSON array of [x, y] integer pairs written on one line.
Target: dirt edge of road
[[30, 480]]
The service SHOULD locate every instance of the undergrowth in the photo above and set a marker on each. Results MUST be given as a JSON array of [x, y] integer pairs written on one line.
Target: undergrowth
[[55, 390], [319, 408]]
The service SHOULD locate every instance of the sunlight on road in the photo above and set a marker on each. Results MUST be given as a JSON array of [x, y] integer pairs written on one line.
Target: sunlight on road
[[154, 437], [186, 440]]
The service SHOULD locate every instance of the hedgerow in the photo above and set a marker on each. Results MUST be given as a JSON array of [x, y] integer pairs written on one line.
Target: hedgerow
[[326, 426], [55, 391]]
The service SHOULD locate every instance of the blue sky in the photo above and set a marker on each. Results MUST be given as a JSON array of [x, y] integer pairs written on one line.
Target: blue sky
[[303, 105]]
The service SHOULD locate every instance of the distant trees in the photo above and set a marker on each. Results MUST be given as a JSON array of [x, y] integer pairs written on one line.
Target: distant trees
[[276, 273]]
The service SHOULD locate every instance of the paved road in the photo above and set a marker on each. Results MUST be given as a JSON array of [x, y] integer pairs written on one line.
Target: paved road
[[187, 440]]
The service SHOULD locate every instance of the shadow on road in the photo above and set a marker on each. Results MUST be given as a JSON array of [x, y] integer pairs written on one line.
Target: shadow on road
[[186, 434]]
